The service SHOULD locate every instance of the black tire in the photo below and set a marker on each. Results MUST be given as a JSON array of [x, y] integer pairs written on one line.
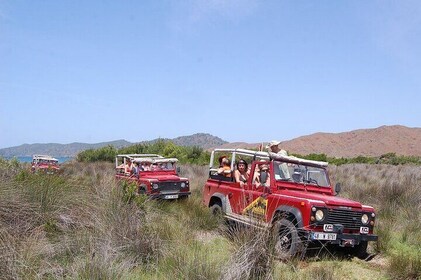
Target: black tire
[[360, 251], [287, 242], [142, 189], [216, 210]]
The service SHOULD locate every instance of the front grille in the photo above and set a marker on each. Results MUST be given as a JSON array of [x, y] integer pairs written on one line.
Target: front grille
[[348, 218], [169, 186]]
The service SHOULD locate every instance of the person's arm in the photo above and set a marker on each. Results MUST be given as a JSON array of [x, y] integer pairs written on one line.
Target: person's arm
[[220, 170], [256, 179], [237, 176]]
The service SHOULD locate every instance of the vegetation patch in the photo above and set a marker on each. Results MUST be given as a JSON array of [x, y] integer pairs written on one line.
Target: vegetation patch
[[81, 224]]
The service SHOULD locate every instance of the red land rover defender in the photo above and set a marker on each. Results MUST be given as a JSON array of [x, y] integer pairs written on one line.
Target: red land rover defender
[[294, 198], [44, 163], [153, 175]]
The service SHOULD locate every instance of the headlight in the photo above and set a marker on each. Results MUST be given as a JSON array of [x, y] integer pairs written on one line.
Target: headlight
[[183, 185], [155, 186], [319, 215], [364, 219]]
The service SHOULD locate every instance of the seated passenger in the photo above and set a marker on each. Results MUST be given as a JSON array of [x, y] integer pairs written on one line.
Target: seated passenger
[[146, 166], [155, 167], [163, 166], [242, 173], [128, 167], [135, 169], [224, 167], [264, 168]]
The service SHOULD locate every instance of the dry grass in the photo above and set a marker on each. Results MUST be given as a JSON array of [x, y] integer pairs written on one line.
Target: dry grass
[[77, 225], [253, 254], [396, 194]]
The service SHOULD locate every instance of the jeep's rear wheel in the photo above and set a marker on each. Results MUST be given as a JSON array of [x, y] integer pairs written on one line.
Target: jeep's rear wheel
[[287, 242]]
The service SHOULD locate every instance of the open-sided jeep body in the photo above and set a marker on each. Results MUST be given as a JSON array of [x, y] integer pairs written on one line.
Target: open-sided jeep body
[[44, 163], [294, 198], [157, 176]]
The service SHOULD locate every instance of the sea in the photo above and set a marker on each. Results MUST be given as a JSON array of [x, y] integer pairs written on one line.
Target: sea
[[29, 159]]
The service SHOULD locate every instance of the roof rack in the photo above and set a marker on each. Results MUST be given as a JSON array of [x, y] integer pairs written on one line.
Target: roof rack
[[151, 158], [267, 156], [155, 160], [139, 155], [46, 157]]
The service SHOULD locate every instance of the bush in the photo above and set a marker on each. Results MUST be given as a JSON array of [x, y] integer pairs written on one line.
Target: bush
[[107, 153], [195, 155]]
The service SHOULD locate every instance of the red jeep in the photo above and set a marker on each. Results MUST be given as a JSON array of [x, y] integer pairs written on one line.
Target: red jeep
[[153, 175], [293, 197], [44, 163]]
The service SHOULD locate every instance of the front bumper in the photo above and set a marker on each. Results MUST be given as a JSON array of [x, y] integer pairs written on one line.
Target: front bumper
[[170, 195], [342, 239]]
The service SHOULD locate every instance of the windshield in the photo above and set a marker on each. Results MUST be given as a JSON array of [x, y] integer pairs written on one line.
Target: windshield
[[162, 166], [300, 174]]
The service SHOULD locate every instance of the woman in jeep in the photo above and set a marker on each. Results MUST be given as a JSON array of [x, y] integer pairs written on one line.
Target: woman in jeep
[[242, 173]]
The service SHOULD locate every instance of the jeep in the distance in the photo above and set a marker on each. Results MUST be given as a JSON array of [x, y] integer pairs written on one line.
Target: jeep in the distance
[[292, 197], [153, 175], [44, 163]]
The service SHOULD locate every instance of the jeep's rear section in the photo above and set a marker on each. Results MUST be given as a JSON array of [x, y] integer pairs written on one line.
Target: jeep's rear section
[[297, 202], [153, 175]]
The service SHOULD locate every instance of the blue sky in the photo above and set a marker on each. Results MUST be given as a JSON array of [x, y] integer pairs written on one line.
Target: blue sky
[[243, 70]]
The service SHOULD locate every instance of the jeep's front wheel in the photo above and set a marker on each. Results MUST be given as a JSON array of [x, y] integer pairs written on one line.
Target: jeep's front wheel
[[216, 210], [142, 189], [360, 251], [286, 240]]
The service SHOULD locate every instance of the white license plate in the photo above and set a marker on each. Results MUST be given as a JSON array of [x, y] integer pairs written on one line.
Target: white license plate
[[324, 236], [364, 230], [171, 196]]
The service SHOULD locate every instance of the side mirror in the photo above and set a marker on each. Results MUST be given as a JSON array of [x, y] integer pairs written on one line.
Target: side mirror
[[337, 188], [263, 177], [178, 169]]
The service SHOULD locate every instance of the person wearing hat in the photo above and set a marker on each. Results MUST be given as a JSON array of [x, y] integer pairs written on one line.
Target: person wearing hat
[[259, 170], [273, 147]]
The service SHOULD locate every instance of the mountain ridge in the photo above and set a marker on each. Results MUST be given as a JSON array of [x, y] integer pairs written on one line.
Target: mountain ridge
[[203, 140], [385, 139], [399, 139]]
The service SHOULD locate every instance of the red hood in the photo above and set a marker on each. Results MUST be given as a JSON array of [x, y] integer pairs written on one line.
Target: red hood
[[328, 199], [161, 177], [46, 166]]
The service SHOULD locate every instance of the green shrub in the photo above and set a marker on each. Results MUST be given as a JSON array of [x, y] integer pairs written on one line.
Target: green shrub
[[184, 154]]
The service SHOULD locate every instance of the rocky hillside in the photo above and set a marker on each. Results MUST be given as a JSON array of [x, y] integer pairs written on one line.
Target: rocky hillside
[[397, 139]]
